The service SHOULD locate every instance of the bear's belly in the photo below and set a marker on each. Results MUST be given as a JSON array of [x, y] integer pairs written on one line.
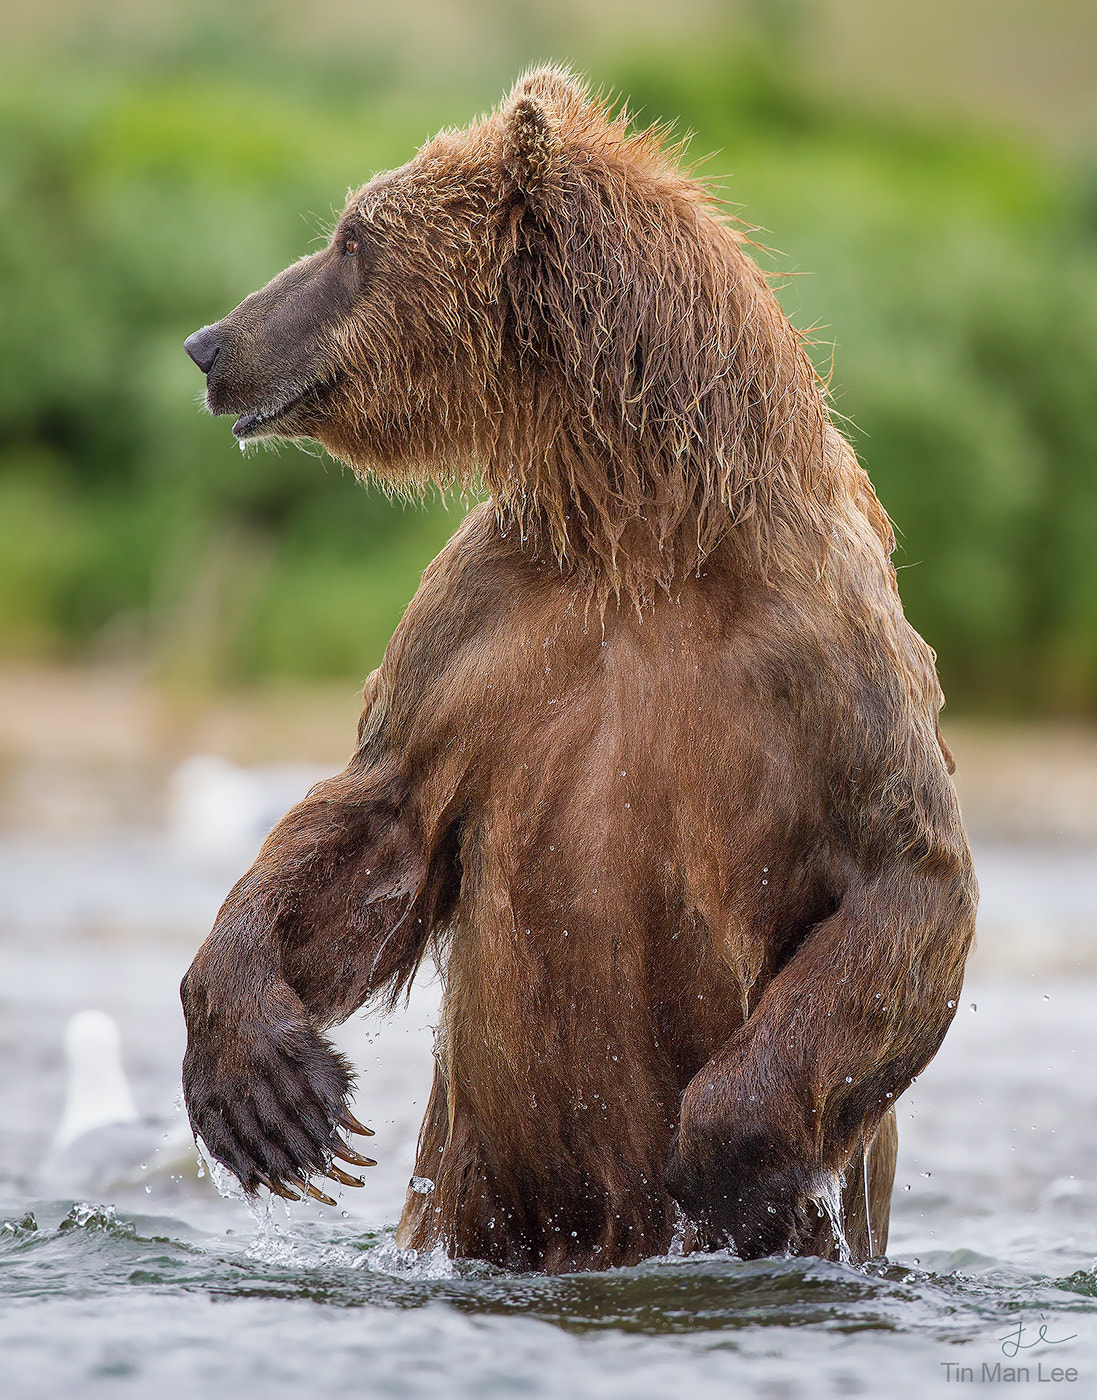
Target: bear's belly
[[562, 1054], [636, 860]]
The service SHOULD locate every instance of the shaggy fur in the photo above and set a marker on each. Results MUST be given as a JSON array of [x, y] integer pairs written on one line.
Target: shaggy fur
[[651, 763]]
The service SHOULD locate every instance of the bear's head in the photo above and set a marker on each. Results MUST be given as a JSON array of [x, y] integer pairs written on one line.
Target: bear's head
[[545, 302]]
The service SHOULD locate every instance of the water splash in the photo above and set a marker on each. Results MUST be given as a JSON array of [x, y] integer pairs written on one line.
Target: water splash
[[277, 1242], [677, 1249], [19, 1229], [387, 1258], [827, 1196], [85, 1215], [227, 1185]]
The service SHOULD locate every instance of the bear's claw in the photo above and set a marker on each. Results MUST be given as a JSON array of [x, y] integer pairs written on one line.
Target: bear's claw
[[348, 1154], [347, 1120], [344, 1178], [306, 1188], [278, 1190]]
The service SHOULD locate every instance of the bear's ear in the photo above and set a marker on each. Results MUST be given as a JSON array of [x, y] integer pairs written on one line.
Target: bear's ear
[[531, 143]]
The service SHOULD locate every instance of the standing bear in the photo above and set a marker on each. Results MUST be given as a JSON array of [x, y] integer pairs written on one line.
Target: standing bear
[[651, 766]]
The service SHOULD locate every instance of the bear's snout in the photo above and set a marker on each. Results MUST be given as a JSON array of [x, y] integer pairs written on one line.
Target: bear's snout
[[270, 357], [204, 346]]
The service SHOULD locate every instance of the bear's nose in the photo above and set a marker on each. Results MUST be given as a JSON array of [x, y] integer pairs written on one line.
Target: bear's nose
[[203, 347]]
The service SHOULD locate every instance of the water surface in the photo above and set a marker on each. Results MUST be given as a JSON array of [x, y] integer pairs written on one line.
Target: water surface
[[158, 1287]]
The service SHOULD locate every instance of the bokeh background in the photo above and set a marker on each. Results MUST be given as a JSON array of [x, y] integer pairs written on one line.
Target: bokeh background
[[184, 629], [925, 184]]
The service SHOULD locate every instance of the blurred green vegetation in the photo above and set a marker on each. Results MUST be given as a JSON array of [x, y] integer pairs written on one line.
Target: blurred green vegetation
[[951, 276]]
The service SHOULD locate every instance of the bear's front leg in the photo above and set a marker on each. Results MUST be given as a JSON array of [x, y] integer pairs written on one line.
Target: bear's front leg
[[338, 906], [770, 1125]]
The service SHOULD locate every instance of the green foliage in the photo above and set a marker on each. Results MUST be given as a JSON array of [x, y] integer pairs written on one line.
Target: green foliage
[[953, 283]]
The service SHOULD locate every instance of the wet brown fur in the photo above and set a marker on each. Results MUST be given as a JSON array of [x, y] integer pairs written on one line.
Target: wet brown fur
[[651, 764]]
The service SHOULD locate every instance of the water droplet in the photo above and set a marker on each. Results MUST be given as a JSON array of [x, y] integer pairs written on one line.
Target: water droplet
[[849, 1078], [906, 1188], [148, 1190], [927, 1175], [951, 1005], [973, 1007]]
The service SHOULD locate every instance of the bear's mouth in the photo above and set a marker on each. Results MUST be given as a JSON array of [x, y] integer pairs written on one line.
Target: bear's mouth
[[256, 423]]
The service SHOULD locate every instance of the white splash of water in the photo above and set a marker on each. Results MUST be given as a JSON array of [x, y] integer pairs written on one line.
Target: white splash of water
[[386, 1258], [276, 1242], [86, 1215], [827, 1196], [677, 1247], [226, 1184]]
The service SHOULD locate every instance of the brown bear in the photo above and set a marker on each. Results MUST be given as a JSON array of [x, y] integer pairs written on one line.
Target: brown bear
[[651, 766]]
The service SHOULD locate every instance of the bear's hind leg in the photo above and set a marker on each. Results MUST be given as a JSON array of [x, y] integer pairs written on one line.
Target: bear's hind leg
[[866, 1195], [420, 1225]]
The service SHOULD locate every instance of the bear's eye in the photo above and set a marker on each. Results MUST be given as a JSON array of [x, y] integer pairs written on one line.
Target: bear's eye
[[350, 246]]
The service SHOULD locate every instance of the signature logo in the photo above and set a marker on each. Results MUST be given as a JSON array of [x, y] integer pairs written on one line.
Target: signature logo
[[1014, 1340]]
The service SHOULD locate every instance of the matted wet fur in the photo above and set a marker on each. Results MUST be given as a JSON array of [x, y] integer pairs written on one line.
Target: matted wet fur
[[651, 765]]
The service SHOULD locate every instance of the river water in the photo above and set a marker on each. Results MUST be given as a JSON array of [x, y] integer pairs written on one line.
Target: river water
[[156, 1286]]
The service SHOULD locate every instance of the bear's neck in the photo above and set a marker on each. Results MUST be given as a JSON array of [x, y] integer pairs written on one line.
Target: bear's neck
[[636, 539]]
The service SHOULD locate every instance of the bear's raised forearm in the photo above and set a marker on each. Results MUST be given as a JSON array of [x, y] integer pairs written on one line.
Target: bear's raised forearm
[[338, 905], [771, 1122], [327, 902]]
